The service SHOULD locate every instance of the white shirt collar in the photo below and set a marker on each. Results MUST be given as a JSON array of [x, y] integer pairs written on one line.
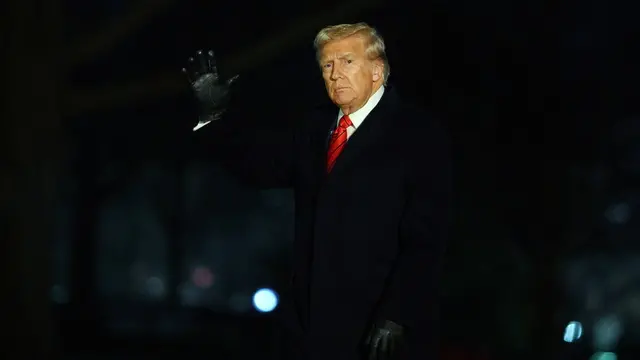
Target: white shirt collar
[[357, 117]]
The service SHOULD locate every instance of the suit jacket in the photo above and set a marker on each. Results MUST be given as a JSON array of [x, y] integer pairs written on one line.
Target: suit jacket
[[369, 236]]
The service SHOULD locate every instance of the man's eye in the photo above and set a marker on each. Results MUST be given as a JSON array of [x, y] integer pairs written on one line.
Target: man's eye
[[349, 61], [327, 65]]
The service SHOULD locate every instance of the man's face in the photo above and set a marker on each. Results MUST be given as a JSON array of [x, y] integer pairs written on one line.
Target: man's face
[[349, 76]]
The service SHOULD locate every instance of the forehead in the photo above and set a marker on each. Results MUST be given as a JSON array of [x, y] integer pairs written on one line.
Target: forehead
[[336, 48]]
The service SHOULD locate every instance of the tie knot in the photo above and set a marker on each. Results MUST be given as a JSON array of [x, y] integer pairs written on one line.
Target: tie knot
[[345, 122]]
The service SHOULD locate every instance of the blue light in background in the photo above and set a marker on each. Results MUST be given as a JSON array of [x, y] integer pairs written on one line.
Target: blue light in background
[[604, 356], [573, 332], [265, 300]]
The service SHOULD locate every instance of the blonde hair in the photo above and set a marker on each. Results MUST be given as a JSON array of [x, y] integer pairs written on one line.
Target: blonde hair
[[375, 47]]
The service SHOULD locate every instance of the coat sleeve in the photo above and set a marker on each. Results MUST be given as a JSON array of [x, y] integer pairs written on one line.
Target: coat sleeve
[[412, 291], [257, 156]]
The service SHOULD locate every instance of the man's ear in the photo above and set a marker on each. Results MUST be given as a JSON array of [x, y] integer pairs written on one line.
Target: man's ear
[[378, 70]]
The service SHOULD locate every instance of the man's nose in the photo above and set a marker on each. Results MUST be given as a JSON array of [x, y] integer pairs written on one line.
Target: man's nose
[[336, 73]]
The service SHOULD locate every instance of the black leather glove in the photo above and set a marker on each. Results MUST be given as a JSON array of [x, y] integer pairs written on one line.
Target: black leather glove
[[384, 340], [211, 92]]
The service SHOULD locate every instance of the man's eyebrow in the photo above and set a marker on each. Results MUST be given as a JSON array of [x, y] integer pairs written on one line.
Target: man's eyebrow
[[342, 56]]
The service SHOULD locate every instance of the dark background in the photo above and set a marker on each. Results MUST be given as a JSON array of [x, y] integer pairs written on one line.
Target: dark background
[[121, 240]]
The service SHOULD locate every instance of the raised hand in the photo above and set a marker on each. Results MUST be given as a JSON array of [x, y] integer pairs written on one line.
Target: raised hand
[[211, 92]]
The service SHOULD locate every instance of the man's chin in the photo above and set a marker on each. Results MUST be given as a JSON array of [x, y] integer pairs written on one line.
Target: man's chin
[[342, 100]]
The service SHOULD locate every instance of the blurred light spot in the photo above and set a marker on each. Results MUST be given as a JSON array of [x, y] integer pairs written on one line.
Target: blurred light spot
[[604, 356], [155, 287], [59, 295], [573, 332], [202, 277], [618, 213], [265, 300], [606, 333]]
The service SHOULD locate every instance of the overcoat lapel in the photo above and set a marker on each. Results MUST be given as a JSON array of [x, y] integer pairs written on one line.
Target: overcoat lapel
[[372, 129]]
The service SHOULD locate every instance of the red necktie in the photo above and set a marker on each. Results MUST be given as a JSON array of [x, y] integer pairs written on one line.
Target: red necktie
[[338, 141]]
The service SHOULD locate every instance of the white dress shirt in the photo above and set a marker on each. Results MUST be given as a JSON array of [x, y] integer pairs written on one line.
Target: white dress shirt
[[358, 117]]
